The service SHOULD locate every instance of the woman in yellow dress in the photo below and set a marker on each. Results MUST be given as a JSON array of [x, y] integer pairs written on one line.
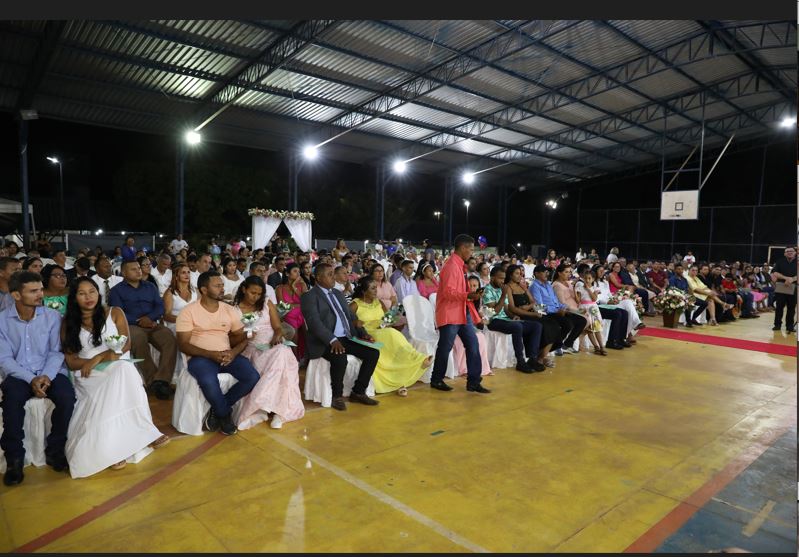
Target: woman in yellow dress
[[400, 365]]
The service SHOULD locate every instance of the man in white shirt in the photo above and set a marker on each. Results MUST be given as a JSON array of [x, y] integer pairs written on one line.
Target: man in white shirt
[[343, 283], [105, 279], [162, 273], [203, 265], [178, 244]]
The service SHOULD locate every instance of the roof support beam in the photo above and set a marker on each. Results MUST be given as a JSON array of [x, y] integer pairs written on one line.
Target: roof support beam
[[256, 70]]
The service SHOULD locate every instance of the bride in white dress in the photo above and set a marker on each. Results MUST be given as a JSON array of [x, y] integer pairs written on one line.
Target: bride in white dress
[[112, 424], [179, 294]]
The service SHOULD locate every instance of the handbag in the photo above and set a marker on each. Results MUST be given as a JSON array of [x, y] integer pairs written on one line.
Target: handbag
[[783, 288]]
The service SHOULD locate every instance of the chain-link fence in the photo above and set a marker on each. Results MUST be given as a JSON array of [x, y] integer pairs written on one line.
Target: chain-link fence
[[741, 232]]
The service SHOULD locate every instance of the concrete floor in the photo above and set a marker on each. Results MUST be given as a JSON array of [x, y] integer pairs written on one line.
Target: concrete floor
[[599, 454]]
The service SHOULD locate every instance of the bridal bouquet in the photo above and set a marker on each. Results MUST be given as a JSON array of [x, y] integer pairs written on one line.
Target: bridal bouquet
[[283, 308], [249, 320], [487, 314], [624, 294], [54, 304], [389, 318], [115, 342]]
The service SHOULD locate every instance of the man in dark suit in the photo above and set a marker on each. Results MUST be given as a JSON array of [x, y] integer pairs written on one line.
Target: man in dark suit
[[275, 279], [331, 324], [640, 288]]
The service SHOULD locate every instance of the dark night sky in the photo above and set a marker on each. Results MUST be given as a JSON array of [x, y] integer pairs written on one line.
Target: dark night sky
[[95, 155]]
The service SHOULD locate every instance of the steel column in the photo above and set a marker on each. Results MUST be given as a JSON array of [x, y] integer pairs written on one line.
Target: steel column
[[23, 178], [710, 237], [61, 195], [638, 235], [180, 169]]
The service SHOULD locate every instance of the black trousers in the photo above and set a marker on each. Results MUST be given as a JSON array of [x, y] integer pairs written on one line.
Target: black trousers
[[701, 305], [785, 302], [619, 320], [16, 393], [338, 366], [571, 325]]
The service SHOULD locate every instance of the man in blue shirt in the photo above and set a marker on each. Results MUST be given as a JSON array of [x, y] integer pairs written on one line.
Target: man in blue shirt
[[571, 324], [33, 365], [129, 249], [143, 308]]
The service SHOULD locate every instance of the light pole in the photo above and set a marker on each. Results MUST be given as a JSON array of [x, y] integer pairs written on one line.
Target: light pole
[[466, 203], [55, 160], [192, 138]]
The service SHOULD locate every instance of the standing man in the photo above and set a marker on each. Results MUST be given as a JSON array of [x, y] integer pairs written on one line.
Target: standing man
[[456, 316], [129, 249], [331, 326], [178, 244], [104, 279], [784, 276], [143, 309], [211, 334], [33, 365]]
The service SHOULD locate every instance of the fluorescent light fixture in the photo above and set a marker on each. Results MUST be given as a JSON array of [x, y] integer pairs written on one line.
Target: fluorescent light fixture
[[53, 160], [788, 122]]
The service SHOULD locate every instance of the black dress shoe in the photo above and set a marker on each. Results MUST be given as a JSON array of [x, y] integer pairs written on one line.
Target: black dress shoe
[[791, 330], [477, 389], [535, 365], [14, 474], [614, 346], [441, 386], [57, 461], [524, 367], [776, 328], [363, 398], [161, 390], [689, 325], [626, 344], [339, 404], [696, 323]]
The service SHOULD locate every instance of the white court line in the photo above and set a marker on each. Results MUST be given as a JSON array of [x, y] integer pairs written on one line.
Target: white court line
[[452, 536]]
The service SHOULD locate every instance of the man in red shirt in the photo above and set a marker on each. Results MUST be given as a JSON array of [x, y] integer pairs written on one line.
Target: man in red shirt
[[455, 316], [658, 279]]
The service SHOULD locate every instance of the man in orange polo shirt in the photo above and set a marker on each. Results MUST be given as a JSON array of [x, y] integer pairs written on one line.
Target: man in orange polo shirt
[[455, 316]]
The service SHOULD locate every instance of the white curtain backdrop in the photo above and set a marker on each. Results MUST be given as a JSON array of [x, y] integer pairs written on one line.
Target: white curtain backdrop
[[301, 232], [263, 228]]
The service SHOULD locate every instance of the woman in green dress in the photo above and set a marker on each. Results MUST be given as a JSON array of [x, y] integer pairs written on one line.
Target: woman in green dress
[[54, 279], [400, 365]]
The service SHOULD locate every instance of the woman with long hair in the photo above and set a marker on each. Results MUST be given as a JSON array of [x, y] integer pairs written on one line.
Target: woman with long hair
[[56, 289], [521, 305], [385, 291], [112, 424], [278, 390], [179, 294], [33, 264], [400, 365], [604, 293], [340, 250], [306, 273], [290, 291], [230, 277]]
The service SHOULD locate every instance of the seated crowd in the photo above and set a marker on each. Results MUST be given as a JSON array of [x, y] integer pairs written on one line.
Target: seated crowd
[[95, 335]]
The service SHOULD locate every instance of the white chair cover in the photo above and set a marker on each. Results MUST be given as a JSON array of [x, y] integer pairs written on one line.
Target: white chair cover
[[37, 424], [500, 350], [433, 297], [422, 330], [317, 380], [190, 407]]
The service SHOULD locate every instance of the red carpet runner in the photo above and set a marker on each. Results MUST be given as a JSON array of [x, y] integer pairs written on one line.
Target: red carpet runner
[[781, 349]]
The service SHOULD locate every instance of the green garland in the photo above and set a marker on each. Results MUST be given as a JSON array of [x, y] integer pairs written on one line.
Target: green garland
[[296, 215]]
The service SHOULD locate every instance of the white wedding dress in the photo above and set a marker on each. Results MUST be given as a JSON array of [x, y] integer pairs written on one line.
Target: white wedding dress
[[112, 420]]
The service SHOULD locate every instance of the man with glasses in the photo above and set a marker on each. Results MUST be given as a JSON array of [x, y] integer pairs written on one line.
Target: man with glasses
[[784, 276]]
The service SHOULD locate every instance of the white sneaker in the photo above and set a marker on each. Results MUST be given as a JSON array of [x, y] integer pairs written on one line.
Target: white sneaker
[[559, 352], [277, 423], [570, 350]]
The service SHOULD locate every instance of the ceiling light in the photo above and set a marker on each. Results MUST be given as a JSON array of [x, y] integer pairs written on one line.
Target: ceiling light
[[468, 178], [310, 152], [788, 122], [400, 166], [193, 137]]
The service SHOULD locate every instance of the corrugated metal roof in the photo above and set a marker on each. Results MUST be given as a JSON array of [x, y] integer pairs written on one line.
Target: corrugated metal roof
[[147, 75]]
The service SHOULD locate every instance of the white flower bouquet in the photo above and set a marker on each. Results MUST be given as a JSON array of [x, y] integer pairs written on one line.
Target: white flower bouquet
[[283, 308], [54, 304], [624, 294], [389, 318], [249, 320], [115, 342], [673, 300], [487, 313]]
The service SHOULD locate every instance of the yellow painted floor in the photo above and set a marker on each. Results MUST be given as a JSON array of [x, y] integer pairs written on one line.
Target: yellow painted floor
[[585, 457]]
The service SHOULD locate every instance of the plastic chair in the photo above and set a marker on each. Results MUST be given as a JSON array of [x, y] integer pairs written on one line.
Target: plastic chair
[[37, 425], [317, 380], [423, 333], [190, 406]]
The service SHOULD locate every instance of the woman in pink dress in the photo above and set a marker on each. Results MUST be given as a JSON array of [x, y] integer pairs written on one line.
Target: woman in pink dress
[[426, 280], [289, 292], [385, 292], [278, 389]]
